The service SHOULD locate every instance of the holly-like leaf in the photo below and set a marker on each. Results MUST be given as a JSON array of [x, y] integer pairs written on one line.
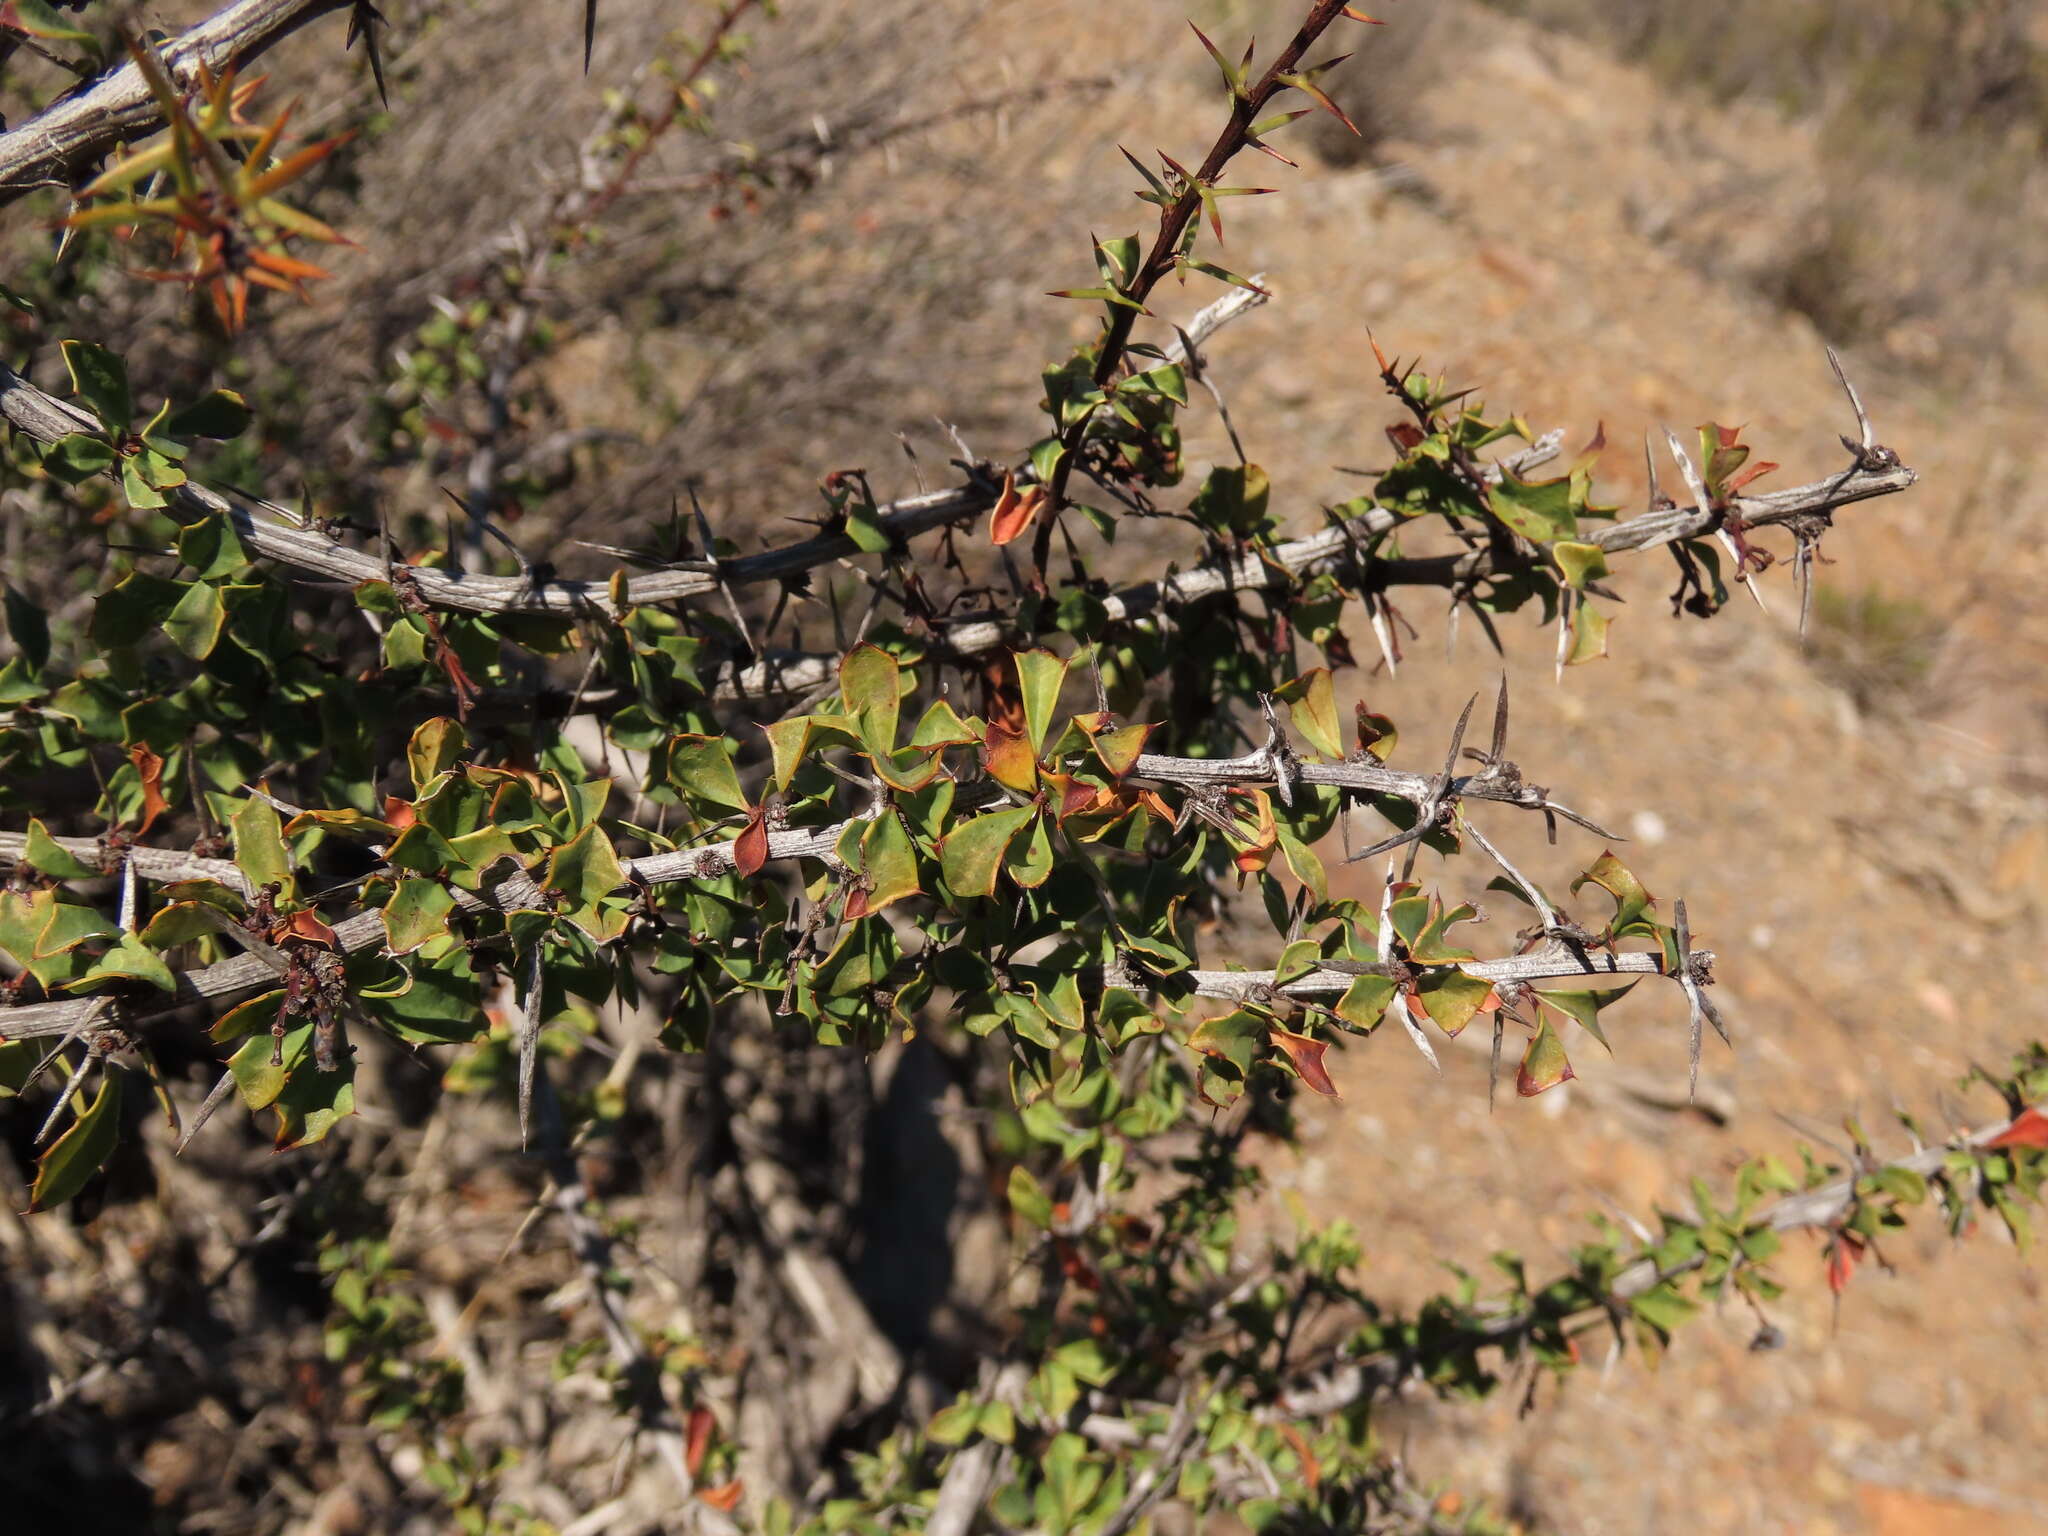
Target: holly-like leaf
[[222, 414], [260, 853], [701, 768], [1586, 1007], [1040, 675], [29, 628], [1233, 500], [77, 458], [1030, 860], [1119, 749], [973, 848], [1008, 758], [870, 693], [2028, 1129], [418, 911], [39, 18], [586, 870], [1311, 701], [1305, 1052], [212, 547], [44, 852], [1014, 511], [750, 848], [1365, 1001], [888, 867], [1453, 999], [435, 747], [100, 379], [1539, 510], [788, 740], [1631, 901], [1029, 1199], [195, 621], [1543, 1063], [129, 959], [83, 1149], [1580, 563]]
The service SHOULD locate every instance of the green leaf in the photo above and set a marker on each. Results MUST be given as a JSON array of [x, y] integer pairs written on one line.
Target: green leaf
[[28, 628], [260, 853], [1580, 563], [1029, 1199], [941, 726], [135, 485], [38, 18], [1046, 455], [100, 378], [868, 690], [422, 850], [1662, 1307], [435, 748], [62, 926], [1543, 1063], [128, 960], [586, 871], [1040, 674], [1586, 1007], [83, 1149], [1311, 701], [134, 608], [43, 852], [1030, 862], [1589, 635], [194, 622], [952, 1424], [77, 458], [1451, 998], [1233, 500], [788, 740], [183, 922], [307, 1102], [700, 767], [1539, 510], [212, 547], [889, 862], [222, 414], [973, 849], [865, 529], [1365, 1001], [1631, 900], [418, 911]]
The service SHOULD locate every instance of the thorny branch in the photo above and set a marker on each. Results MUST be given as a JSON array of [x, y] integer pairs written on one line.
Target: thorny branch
[[1818, 1209], [59, 141]]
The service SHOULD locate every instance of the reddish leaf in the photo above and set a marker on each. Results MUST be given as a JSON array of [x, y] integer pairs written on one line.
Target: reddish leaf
[[1311, 1468], [398, 814], [306, 926], [1844, 1251], [1075, 1266], [1306, 1052], [699, 1438], [750, 848], [150, 769], [726, 1497], [1755, 471], [1007, 757], [2028, 1129], [1014, 511]]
